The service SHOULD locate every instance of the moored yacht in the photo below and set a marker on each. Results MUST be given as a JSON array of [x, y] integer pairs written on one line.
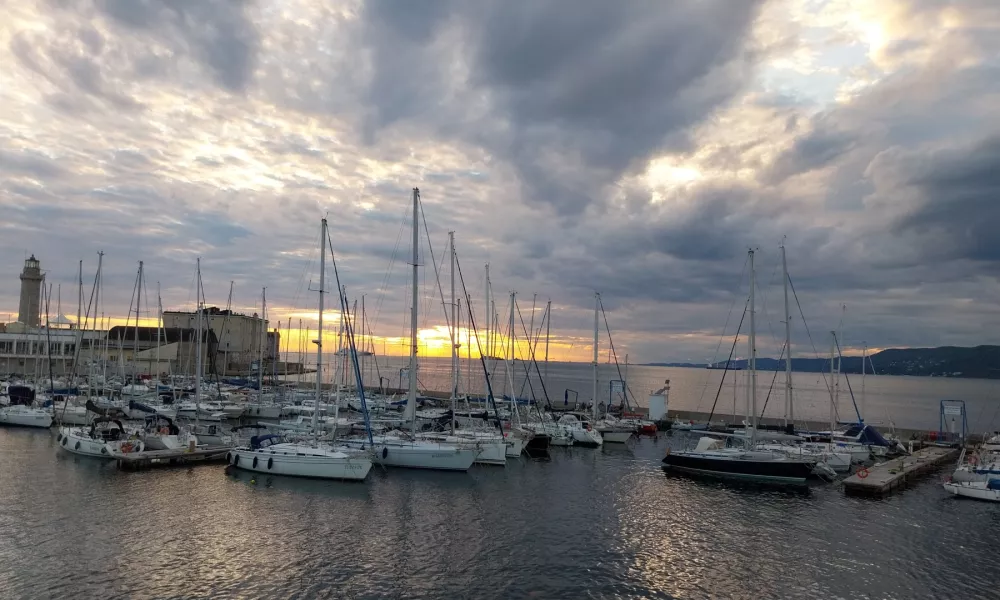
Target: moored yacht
[[104, 437], [273, 454]]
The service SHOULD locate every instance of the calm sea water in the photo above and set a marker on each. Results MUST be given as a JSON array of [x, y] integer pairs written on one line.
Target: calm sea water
[[602, 523], [906, 402]]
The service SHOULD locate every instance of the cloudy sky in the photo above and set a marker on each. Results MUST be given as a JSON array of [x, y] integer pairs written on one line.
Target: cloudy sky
[[635, 148]]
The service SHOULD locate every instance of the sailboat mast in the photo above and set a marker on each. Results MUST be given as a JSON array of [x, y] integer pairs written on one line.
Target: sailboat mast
[[411, 396], [488, 319], [159, 330], [753, 354], [597, 307], [548, 330], [454, 331], [319, 334], [833, 417], [864, 357], [198, 350], [135, 345], [263, 340], [789, 411]]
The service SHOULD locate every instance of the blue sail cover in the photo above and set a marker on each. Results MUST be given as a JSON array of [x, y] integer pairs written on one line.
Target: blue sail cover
[[133, 405], [867, 435], [258, 442], [993, 484]]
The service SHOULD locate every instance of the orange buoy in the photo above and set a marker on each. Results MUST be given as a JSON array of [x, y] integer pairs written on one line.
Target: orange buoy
[[863, 472]]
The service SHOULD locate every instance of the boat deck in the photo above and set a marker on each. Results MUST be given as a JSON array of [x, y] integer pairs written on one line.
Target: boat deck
[[157, 458], [884, 479]]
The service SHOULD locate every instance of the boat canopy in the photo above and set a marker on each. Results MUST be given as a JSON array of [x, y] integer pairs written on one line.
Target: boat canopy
[[867, 435], [259, 442], [20, 394], [133, 405], [993, 484]]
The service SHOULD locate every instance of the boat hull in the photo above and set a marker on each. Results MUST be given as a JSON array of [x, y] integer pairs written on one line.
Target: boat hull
[[616, 436], [31, 417], [350, 468], [978, 490], [420, 456], [779, 471], [75, 442]]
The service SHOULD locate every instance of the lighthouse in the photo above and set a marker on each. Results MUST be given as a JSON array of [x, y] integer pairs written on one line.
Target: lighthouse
[[31, 292]]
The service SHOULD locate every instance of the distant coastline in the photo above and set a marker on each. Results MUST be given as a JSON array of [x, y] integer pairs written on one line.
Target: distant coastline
[[979, 362]]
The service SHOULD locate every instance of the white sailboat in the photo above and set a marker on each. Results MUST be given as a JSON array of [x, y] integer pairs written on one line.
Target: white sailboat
[[104, 438], [25, 416], [401, 449], [272, 454], [978, 490]]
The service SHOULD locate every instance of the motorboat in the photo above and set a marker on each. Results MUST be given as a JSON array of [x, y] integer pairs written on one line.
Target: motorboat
[[104, 437], [979, 490], [272, 454], [712, 458]]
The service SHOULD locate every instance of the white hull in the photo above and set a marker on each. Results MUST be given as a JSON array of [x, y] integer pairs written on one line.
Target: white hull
[[616, 436], [24, 416], [977, 490], [72, 415], [157, 441], [264, 411], [296, 460], [77, 441], [395, 452], [515, 445]]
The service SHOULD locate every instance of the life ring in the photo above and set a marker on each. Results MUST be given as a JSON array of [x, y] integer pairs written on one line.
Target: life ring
[[126, 447], [255, 462], [973, 460], [863, 472], [270, 463]]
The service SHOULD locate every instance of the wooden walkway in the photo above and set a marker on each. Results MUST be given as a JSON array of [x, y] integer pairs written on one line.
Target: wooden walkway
[[136, 461], [885, 478]]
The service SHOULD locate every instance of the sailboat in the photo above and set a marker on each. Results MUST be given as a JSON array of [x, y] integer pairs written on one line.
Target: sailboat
[[404, 449], [609, 428], [21, 412], [712, 458], [271, 453], [978, 490]]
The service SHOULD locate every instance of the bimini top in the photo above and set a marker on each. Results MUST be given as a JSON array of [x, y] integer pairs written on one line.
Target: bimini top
[[259, 442], [867, 435]]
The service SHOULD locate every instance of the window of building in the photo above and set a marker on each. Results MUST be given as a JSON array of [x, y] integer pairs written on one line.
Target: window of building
[[55, 348], [22, 348], [6, 347], [69, 349]]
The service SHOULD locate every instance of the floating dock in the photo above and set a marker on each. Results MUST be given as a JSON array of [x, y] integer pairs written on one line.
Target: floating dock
[[136, 461], [883, 479]]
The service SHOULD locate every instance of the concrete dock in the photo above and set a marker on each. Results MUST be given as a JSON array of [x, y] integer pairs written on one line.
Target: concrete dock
[[136, 461], [885, 478]]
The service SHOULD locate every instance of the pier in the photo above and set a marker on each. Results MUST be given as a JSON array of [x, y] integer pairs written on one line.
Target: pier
[[885, 478], [160, 458]]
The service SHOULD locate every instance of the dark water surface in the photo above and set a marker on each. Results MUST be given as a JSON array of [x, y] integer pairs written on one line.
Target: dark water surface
[[587, 524]]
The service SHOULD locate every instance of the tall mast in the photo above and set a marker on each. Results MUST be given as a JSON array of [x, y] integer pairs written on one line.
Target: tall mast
[[79, 301], [488, 320], [510, 359], [198, 346], [833, 417], [319, 334], [597, 306], [263, 340], [454, 331], [548, 329], [789, 410], [159, 329], [864, 357], [753, 354], [135, 345], [411, 396]]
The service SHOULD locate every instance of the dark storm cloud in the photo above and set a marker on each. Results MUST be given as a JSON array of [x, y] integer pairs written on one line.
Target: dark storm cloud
[[957, 204], [218, 33], [573, 94]]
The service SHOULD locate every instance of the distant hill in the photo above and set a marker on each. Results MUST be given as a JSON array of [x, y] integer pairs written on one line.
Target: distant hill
[[981, 362]]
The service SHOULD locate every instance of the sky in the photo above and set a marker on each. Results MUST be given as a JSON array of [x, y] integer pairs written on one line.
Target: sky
[[634, 148]]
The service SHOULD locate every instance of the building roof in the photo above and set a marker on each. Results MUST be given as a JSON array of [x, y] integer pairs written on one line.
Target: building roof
[[165, 335]]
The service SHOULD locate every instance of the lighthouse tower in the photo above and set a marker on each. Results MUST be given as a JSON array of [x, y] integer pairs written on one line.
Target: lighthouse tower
[[31, 292]]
